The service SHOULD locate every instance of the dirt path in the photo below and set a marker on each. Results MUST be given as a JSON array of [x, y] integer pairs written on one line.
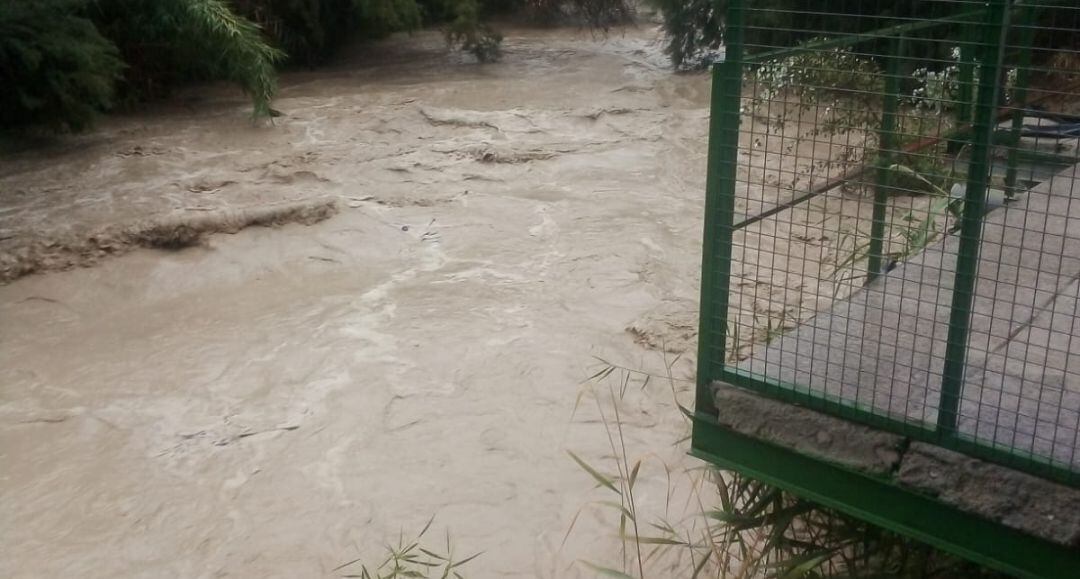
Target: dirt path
[[276, 402]]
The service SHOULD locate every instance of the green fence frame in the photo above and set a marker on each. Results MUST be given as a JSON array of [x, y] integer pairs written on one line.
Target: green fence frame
[[991, 23], [876, 500]]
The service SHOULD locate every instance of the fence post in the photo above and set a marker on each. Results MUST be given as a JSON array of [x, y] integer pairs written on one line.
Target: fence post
[[965, 90], [720, 207], [992, 46], [887, 143], [1019, 101]]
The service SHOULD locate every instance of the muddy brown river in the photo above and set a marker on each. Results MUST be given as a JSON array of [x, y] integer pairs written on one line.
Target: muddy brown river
[[279, 401]]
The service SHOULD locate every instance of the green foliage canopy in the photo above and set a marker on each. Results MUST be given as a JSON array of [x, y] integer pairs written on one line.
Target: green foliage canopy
[[57, 70], [64, 61]]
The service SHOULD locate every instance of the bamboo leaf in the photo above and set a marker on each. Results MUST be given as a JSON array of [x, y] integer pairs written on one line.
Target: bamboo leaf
[[607, 571], [466, 560], [634, 473], [604, 481], [618, 507], [798, 567], [658, 541]]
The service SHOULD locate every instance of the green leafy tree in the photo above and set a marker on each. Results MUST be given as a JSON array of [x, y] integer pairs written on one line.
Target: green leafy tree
[[467, 31], [57, 70], [64, 61], [168, 41], [696, 28], [381, 17], [310, 31], [307, 30]]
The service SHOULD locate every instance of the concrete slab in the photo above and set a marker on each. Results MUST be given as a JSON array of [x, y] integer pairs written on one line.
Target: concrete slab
[[812, 433], [883, 348], [1017, 500]]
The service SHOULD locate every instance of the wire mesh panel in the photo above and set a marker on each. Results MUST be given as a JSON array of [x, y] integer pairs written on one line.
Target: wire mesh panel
[[891, 231]]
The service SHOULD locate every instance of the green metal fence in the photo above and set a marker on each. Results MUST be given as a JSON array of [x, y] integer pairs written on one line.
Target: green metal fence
[[891, 234]]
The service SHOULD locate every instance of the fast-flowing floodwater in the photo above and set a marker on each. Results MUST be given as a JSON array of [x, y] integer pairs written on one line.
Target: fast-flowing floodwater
[[280, 401]]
